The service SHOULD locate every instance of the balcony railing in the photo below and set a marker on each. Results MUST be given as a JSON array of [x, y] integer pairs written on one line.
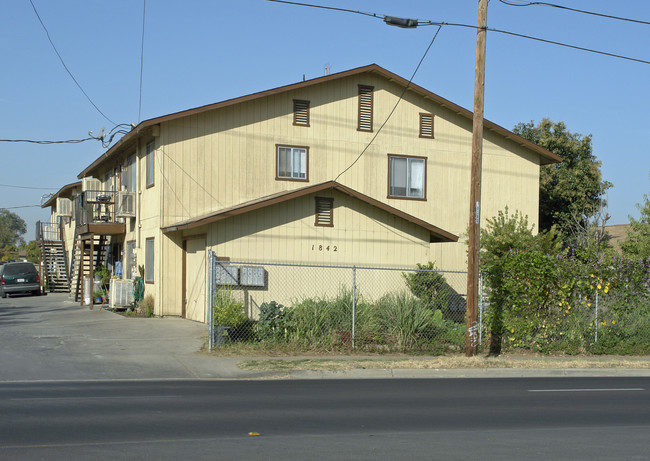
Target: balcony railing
[[94, 206], [48, 231]]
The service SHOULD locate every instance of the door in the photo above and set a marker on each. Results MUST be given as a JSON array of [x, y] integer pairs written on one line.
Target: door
[[194, 262]]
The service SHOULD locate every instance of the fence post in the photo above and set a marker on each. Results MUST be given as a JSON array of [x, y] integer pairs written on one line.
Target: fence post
[[354, 301], [210, 299], [596, 321]]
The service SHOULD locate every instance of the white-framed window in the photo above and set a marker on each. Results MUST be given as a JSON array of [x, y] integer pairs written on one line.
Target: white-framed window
[[148, 260], [129, 176], [292, 163], [149, 160], [407, 177]]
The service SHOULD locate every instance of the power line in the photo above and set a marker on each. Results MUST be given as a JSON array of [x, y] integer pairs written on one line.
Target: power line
[[66, 67], [552, 42], [144, 11], [394, 107], [17, 207], [380, 16], [26, 187], [553, 5], [67, 141], [442, 23], [575, 47]]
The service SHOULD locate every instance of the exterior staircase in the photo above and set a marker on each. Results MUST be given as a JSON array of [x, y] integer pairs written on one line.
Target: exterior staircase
[[55, 267], [82, 259]]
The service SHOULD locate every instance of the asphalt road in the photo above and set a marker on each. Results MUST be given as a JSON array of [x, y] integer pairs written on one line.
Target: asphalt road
[[566, 418], [88, 384]]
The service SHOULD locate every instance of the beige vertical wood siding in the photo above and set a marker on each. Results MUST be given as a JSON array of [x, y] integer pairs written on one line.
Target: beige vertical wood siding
[[225, 157], [217, 159]]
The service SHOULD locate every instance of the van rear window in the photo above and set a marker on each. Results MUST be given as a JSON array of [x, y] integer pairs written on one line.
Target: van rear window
[[20, 268]]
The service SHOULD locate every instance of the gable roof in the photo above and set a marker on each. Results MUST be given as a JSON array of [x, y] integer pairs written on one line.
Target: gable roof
[[436, 234], [546, 157], [63, 191]]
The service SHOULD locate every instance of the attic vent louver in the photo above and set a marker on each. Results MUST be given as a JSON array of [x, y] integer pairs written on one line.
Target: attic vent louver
[[300, 112], [426, 126], [324, 211], [365, 108]]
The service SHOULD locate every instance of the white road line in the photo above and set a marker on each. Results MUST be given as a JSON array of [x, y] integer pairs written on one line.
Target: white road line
[[588, 390], [100, 397]]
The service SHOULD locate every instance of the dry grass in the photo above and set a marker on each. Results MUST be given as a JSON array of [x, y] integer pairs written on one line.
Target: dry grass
[[430, 363]]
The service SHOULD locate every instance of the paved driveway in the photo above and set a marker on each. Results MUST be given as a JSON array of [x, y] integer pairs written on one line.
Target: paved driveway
[[52, 338]]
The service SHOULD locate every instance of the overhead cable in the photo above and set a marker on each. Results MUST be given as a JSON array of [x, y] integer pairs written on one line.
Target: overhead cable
[[66, 67], [27, 187], [67, 141], [401, 96], [608, 16], [442, 23], [144, 11], [379, 16], [16, 207], [552, 42]]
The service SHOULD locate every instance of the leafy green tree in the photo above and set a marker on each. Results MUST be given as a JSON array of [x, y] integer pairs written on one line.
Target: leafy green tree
[[503, 236], [12, 227], [33, 252], [637, 243], [573, 187]]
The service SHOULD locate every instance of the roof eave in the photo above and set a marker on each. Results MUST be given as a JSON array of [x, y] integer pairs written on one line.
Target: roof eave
[[546, 157], [436, 234], [50, 202]]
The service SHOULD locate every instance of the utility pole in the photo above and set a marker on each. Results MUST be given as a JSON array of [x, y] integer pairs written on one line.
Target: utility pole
[[471, 338]]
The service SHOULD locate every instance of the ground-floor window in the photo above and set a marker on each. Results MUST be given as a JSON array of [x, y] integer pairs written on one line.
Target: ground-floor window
[[148, 260]]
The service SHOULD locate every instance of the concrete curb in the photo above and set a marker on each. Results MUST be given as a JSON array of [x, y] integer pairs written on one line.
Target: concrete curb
[[402, 373]]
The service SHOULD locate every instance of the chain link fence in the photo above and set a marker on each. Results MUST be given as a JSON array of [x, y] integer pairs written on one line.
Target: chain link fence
[[330, 308], [311, 307], [589, 317]]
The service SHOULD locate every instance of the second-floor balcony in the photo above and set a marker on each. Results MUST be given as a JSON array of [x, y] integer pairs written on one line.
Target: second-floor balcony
[[103, 212]]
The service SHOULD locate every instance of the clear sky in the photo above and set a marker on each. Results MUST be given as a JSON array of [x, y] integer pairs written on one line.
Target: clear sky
[[198, 52]]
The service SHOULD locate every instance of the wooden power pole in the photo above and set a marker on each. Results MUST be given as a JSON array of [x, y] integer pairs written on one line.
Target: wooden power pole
[[471, 339]]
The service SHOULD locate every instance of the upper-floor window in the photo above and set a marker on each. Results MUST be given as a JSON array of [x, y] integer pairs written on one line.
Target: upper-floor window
[[149, 156], [292, 163], [407, 177], [365, 108], [426, 126], [129, 177], [300, 112]]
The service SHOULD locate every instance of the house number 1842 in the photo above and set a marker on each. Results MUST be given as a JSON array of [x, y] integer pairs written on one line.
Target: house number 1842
[[325, 247]]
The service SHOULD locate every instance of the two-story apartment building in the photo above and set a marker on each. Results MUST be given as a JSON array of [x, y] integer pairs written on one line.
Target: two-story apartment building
[[360, 162]]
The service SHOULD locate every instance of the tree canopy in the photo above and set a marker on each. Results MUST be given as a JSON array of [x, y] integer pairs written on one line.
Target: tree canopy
[[569, 190], [637, 243], [12, 227]]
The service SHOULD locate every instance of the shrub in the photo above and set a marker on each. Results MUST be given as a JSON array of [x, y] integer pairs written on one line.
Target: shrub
[[146, 306], [271, 323], [403, 319], [509, 250], [227, 311], [429, 286], [313, 321]]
